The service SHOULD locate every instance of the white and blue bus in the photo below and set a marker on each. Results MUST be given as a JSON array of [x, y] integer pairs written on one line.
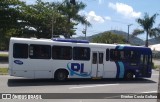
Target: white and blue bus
[[66, 58]]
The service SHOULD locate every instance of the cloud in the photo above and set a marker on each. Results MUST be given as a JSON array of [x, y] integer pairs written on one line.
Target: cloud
[[100, 1], [92, 17], [125, 10], [107, 18]]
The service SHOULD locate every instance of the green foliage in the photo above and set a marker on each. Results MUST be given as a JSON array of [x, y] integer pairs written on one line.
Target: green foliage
[[42, 16], [37, 20], [70, 11], [109, 38], [147, 24], [3, 55], [9, 11]]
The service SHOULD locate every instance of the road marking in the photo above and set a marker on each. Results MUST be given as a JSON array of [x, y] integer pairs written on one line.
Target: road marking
[[149, 92], [155, 74], [90, 86]]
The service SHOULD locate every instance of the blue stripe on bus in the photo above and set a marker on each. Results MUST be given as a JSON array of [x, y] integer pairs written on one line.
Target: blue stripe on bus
[[120, 47], [121, 65], [70, 40]]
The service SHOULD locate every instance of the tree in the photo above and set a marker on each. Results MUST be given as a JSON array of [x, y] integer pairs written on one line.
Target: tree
[[9, 25], [56, 17], [109, 38], [73, 18], [37, 20], [147, 24], [37, 16]]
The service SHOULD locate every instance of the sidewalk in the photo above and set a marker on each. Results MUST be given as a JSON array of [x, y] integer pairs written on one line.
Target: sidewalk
[[156, 61], [4, 65], [3, 52]]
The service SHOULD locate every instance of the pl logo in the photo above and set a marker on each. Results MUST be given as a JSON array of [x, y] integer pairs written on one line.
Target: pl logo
[[77, 69]]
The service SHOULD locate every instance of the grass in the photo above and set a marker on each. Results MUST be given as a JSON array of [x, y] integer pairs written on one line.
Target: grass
[[3, 71], [3, 55], [156, 67]]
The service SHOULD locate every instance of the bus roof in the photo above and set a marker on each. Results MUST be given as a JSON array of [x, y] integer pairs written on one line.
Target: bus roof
[[69, 41]]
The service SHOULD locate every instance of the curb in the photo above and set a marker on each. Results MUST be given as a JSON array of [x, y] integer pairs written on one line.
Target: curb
[[4, 74]]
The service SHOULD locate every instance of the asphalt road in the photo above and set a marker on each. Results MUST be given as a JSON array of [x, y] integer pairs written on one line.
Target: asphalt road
[[10, 84]]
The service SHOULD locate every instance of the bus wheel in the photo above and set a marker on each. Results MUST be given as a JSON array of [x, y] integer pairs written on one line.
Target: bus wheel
[[60, 75], [129, 75]]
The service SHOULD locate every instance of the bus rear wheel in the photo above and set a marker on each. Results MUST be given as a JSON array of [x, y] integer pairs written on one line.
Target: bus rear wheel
[[129, 75], [60, 75]]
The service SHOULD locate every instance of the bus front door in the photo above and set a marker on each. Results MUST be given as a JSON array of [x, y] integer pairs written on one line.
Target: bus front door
[[97, 64], [144, 64]]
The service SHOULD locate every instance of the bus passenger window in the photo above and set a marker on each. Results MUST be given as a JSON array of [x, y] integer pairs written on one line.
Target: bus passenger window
[[100, 58], [146, 60], [114, 55], [40, 51], [107, 54], [20, 50], [122, 55], [94, 58], [81, 53], [134, 58], [127, 55], [111, 55], [62, 52]]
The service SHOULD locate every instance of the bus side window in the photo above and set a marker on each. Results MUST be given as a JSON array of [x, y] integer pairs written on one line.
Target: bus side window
[[134, 58], [100, 58], [114, 55], [94, 59], [127, 55], [111, 55], [62, 52], [149, 59], [81, 53], [107, 54], [121, 53], [40, 51], [20, 50]]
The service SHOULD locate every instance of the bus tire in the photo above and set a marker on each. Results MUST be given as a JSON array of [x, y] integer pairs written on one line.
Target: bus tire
[[129, 75], [61, 75]]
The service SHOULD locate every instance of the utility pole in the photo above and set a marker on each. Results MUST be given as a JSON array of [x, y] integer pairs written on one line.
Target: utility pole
[[158, 90], [52, 27], [128, 32], [85, 31]]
